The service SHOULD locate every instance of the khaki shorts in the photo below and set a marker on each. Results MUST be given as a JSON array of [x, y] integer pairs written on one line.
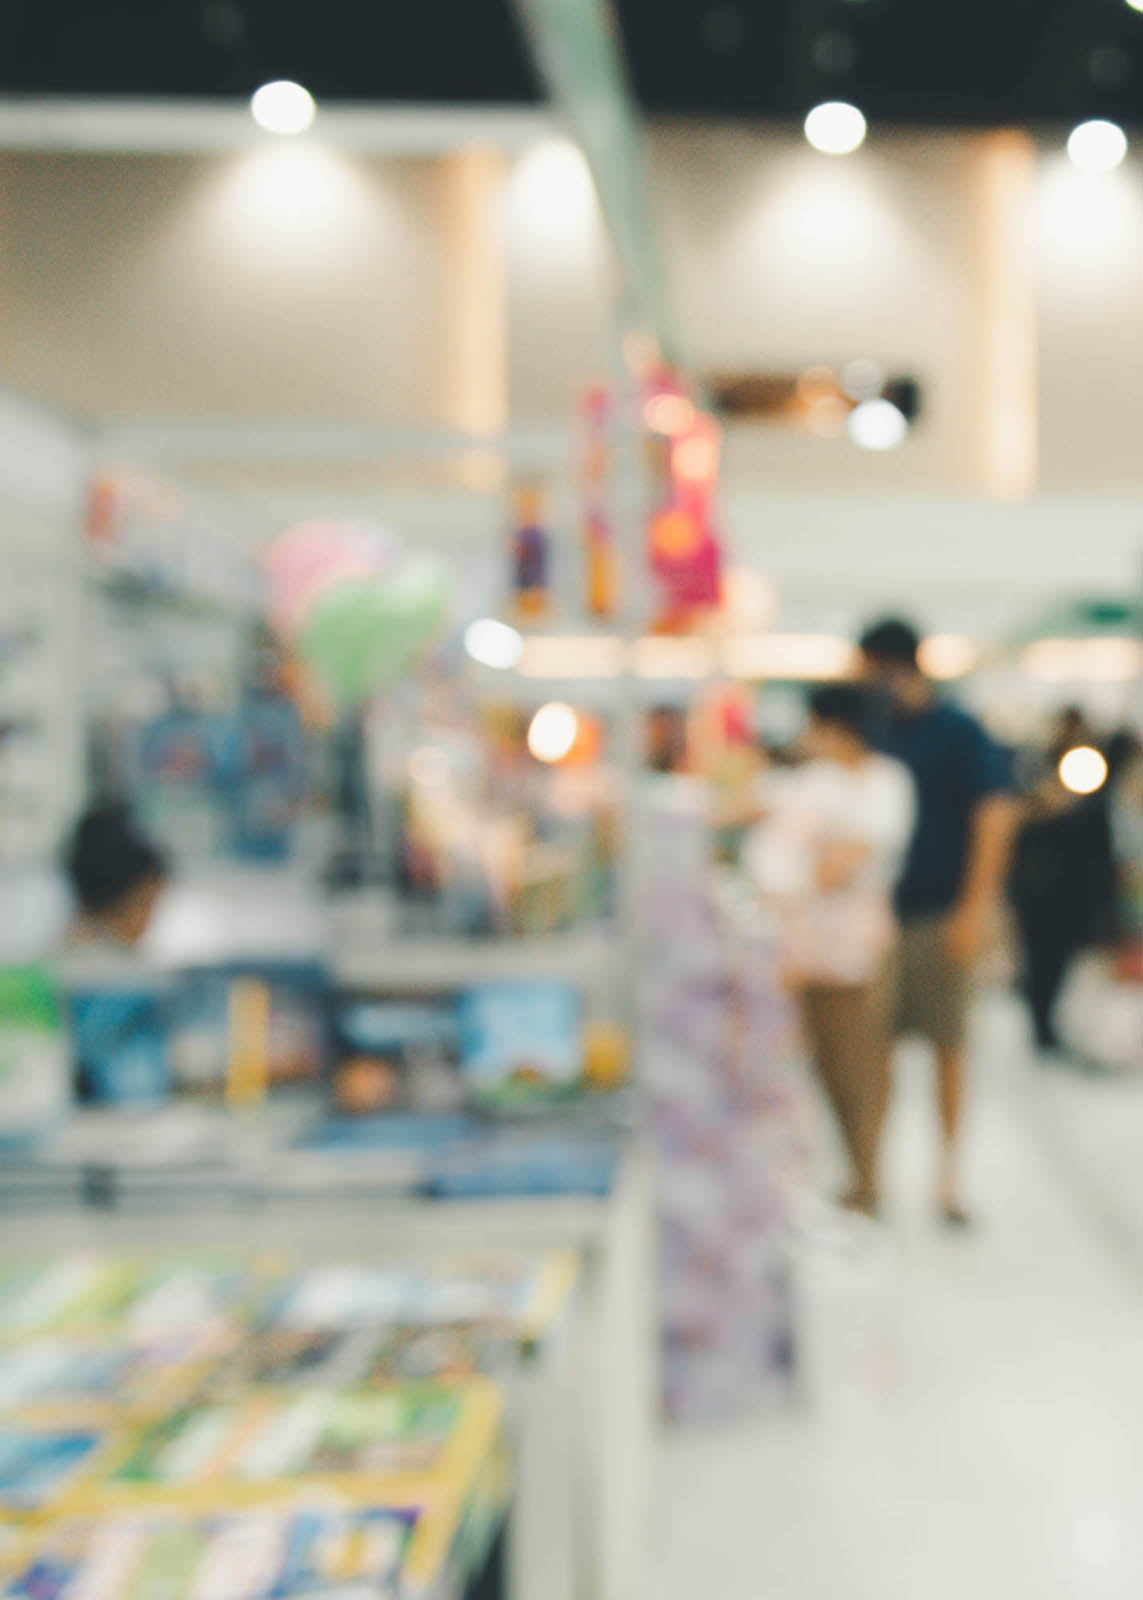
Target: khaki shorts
[[931, 991]]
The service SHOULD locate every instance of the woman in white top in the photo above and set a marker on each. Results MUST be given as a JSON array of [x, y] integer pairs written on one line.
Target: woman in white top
[[828, 854]]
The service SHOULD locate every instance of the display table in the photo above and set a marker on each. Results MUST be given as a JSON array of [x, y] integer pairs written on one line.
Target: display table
[[583, 1409]]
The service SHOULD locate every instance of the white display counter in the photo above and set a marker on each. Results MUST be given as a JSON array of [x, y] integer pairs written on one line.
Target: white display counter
[[586, 1405]]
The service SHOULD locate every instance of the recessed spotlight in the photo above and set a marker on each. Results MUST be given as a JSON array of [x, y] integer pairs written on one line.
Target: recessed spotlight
[[1097, 146], [283, 107], [877, 425], [836, 128]]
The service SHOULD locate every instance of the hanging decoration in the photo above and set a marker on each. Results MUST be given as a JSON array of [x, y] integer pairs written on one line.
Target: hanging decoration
[[354, 604], [600, 567], [684, 550], [531, 553]]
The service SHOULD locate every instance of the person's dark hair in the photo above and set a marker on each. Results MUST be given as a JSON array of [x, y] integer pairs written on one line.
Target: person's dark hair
[[892, 642], [107, 857], [843, 705]]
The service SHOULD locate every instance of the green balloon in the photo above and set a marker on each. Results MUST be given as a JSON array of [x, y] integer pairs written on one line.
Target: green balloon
[[363, 633]]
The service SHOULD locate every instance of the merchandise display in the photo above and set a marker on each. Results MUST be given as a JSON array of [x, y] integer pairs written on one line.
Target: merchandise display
[[288, 1553], [241, 1428], [719, 1063]]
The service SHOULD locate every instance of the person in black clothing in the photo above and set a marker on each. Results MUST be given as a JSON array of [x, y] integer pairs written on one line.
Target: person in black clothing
[[1062, 883]]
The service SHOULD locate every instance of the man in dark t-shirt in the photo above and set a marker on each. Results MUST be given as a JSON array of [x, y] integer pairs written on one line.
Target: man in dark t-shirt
[[954, 874]]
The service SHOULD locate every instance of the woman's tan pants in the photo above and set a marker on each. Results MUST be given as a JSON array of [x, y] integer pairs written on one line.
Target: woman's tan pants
[[849, 1033]]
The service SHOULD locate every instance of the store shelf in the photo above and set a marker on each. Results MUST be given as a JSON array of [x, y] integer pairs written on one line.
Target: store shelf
[[431, 964]]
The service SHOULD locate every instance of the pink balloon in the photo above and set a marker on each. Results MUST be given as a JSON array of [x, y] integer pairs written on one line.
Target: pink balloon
[[309, 558]]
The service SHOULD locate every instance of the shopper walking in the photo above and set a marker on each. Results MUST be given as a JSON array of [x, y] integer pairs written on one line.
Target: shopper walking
[[829, 853], [955, 869]]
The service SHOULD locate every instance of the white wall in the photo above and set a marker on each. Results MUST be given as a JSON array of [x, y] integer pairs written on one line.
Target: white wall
[[561, 292], [781, 258], [1089, 231], [286, 280], [958, 564]]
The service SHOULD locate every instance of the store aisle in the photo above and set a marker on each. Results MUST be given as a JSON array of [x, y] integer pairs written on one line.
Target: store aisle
[[1005, 1462]]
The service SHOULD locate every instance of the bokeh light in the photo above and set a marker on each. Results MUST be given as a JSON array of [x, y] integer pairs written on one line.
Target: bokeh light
[[1097, 146], [553, 732], [877, 425], [493, 644], [1083, 770], [836, 128], [283, 107]]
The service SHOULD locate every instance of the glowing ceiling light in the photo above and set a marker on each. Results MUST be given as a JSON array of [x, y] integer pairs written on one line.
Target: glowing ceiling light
[[283, 107], [948, 655], [877, 425], [836, 128], [493, 644], [1136, 5], [1083, 770], [553, 732], [1097, 146]]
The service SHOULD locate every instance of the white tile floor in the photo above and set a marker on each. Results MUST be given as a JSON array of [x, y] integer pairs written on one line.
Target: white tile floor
[[1005, 1461]]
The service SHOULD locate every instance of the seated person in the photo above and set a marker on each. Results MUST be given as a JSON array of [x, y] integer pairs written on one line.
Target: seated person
[[116, 876]]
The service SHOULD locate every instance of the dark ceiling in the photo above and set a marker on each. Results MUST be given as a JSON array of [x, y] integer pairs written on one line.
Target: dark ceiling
[[939, 61]]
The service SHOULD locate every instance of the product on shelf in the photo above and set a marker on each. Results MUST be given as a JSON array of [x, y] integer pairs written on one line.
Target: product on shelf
[[120, 1040], [244, 1031], [269, 1553], [34, 1058], [521, 1042], [394, 1052], [99, 1378], [40, 1465]]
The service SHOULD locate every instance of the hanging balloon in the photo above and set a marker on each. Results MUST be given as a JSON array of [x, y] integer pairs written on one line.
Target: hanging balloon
[[362, 634], [315, 556]]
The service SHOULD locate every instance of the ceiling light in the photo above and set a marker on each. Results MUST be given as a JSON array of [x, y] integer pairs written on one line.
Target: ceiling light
[[283, 107], [553, 732], [1136, 5], [836, 128], [877, 425], [493, 644], [1097, 146], [1083, 770], [947, 655]]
